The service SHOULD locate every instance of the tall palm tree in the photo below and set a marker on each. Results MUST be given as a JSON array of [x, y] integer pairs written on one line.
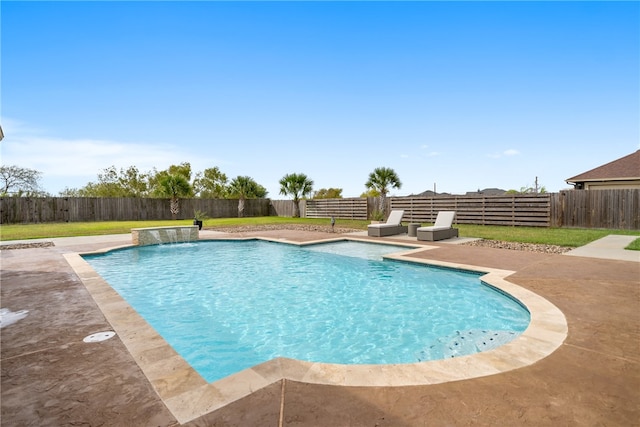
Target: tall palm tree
[[174, 186], [244, 187], [296, 185], [380, 180]]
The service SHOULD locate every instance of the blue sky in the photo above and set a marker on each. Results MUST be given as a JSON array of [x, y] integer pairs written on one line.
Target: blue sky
[[463, 95]]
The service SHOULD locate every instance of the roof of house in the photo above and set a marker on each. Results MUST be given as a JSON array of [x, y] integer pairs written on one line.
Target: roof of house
[[429, 193], [627, 167], [487, 192]]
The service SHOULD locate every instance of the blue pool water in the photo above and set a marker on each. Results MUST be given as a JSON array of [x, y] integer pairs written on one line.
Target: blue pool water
[[228, 305]]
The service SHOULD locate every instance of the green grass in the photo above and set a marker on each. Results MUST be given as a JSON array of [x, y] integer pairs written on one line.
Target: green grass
[[571, 237], [70, 229], [634, 246]]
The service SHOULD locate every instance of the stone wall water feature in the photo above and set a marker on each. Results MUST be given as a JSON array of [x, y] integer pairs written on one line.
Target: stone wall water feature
[[161, 235]]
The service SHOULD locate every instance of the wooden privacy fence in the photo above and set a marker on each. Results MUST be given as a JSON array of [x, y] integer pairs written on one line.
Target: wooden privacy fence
[[285, 208], [72, 209], [530, 210], [612, 209], [522, 210], [351, 208]]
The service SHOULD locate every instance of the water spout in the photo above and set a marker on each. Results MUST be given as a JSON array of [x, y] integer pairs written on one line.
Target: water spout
[[185, 234], [156, 236], [172, 235]]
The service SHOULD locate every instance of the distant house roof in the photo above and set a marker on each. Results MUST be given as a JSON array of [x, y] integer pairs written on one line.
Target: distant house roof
[[429, 193], [625, 168], [486, 192]]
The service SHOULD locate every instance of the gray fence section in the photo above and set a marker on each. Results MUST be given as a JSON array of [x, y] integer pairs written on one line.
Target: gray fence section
[[286, 208], [15, 210], [612, 209]]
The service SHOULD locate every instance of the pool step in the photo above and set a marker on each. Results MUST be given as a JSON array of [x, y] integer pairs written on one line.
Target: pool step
[[463, 343]]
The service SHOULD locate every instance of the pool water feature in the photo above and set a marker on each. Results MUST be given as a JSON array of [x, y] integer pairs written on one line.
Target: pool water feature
[[162, 235], [228, 305]]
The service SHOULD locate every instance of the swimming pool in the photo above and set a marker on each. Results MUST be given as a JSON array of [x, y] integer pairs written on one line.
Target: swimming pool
[[228, 305]]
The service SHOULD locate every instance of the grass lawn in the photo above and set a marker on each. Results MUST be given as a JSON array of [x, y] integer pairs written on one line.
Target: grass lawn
[[69, 229], [571, 237], [634, 246]]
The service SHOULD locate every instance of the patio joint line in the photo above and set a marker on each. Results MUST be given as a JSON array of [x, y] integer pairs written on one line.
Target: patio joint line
[[29, 353], [626, 359], [281, 419]]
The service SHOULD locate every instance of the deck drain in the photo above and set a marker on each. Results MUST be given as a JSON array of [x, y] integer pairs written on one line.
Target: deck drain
[[99, 336]]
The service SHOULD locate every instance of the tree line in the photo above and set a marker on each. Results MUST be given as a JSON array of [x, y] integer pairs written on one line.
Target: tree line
[[179, 182]]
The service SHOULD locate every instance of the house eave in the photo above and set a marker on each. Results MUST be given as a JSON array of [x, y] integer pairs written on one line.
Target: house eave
[[575, 181]]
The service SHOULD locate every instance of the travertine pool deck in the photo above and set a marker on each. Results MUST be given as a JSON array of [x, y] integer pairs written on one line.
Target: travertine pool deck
[[50, 377]]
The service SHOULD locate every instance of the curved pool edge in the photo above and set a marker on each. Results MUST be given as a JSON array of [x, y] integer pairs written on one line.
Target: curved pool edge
[[188, 395]]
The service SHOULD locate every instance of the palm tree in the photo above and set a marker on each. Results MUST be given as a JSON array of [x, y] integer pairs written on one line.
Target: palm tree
[[244, 187], [380, 180], [296, 185], [174, 186]]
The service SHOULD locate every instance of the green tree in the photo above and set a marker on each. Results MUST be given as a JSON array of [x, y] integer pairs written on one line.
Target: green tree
[[296, 185], [183, 169], [381, 179], [19, 181], [91, 189], [244, 187], [134, 183], [371, 193], [328, 193], [211, 184], [155, 187], [174, 186], [121, 183], [69, 192], [114, 183], [535, 189]]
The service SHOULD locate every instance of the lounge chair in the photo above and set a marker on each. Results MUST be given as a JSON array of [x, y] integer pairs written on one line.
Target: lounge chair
[[441, 229], [389, 228]]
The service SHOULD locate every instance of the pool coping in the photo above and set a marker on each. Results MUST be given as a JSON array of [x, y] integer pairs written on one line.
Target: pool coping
[[188, 396]]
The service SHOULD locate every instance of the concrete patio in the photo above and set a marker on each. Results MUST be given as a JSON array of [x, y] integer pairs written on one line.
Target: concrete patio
[[51, 377]]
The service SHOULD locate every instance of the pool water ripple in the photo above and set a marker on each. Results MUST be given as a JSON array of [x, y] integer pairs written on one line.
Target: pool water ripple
[[228, 305]]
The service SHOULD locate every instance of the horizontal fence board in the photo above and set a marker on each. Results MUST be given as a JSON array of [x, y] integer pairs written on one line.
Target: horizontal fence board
[[350, 208], [484, 210]]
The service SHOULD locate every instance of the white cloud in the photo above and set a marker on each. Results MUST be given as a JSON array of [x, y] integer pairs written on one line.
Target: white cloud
[[74, 162], [11, 126], [80, 157], [507, 153]]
